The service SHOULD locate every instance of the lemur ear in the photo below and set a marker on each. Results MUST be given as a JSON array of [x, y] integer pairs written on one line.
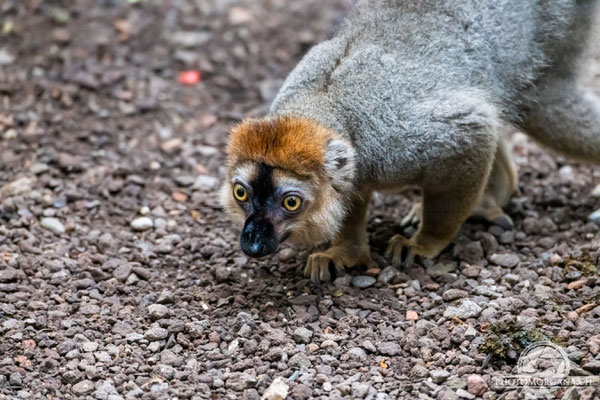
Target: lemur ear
[[340, 163]]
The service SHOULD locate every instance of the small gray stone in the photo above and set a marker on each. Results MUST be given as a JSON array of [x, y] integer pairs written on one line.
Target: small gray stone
[[10, 274], [16, 379], [6, 58], [466, 309], [453, 294], [142, 224], [153, 347], [470, 333], [389, 348], [360, 390], [82, 388], [595, 217], [222, 273], [107, 391], [196, 328], [122, 272], [593, 366], [447, 394], [156, 333], [89, 347], [134, 337], [157, 311], [239, 381], [16, 187], [507, 237], [205, 183], [456, 383], [190, 38], [472, 252], [505, 260], [91, 372], [277, 390], [463, 394], [387, 275], [302, 335], [593, 344], [84, 283], [299, 360], [342, 281], [419, 371], [363, 282], [185, 180], [53, 225], [439, 375], [39, 168], [286, 254], [103, 356], [89, 309], [166, 371], [356, 353], [439, 269], [369, 346], [165, 297], [122, 328]]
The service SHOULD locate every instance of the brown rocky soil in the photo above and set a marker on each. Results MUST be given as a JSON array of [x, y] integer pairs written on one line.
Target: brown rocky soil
[[120, 276]]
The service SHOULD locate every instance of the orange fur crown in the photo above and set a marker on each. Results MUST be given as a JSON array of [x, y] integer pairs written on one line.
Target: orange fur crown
[[293, 143]]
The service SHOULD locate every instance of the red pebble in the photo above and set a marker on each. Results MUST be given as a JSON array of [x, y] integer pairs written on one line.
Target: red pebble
[[189, 77]]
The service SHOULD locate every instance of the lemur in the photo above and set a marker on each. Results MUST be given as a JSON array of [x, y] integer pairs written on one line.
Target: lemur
[[414, 92]]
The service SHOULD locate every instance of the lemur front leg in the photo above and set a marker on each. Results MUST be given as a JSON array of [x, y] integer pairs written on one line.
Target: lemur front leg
[[349, 249]]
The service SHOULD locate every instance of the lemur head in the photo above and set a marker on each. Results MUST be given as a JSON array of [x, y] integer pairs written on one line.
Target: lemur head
[[288, 178]]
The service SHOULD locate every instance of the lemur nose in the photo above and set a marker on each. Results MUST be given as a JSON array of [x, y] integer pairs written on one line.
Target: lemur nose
[[254, 250], [258, 238]]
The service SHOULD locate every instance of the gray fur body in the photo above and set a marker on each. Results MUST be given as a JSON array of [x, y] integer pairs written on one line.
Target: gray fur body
[[423, 88]]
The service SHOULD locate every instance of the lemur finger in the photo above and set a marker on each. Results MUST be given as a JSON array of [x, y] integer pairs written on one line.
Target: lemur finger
[[407, 220], [339, 267], [505, 222], [397, 255], [308, 267], [324, 269], [410, 258], [413, 216], [311, 267], [390, 247], [314, 271]]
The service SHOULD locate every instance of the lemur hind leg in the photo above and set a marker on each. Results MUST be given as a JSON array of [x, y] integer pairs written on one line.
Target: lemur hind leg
[[349, 249], [501, 184], [566, 118]]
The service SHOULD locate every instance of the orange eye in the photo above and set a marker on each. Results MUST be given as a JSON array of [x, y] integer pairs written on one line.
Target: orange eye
[[292, 203], [240, 193]]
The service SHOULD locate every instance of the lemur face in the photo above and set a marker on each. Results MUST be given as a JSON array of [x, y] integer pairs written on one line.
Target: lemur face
[[270, 204], [287, 178]]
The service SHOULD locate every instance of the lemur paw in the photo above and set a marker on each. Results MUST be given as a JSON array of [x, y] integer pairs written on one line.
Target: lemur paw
[[422, 245], [394, 251], [341, 257], [414, 215]]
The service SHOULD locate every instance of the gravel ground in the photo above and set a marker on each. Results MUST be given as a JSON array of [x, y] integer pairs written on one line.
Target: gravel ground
[[120, 277]]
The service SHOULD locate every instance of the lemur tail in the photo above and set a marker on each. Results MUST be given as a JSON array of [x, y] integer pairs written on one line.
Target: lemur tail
[[567, 119]]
